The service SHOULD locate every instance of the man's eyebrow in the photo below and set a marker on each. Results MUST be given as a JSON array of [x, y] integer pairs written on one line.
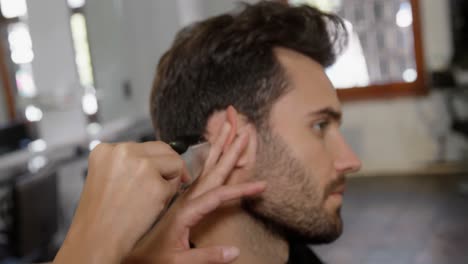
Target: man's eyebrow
[[328, 111]]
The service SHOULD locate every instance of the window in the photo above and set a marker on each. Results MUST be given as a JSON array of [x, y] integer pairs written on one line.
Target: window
[[384, 55]]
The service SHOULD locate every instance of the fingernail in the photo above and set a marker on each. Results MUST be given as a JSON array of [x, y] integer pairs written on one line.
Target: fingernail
[[230, 253]]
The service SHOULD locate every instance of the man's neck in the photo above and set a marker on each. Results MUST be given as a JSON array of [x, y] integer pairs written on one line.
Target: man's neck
[[232, 226]]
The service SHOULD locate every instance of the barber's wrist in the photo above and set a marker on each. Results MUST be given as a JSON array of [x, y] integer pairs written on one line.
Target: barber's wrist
[[85, 246]]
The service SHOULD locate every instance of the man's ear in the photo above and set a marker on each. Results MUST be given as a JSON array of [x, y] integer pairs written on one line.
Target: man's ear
[[249, 156], [232, 118]]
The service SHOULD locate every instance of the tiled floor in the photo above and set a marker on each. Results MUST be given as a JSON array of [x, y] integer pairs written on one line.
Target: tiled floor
[[412, 219]]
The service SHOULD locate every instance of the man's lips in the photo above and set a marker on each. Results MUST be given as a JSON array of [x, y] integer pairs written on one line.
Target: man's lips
[[336, 187], [340, 190]]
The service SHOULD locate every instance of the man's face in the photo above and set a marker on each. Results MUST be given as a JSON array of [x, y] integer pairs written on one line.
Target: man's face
[[303, 156]]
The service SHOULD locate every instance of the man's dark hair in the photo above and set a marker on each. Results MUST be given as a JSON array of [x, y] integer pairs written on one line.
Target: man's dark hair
[[229, 60]]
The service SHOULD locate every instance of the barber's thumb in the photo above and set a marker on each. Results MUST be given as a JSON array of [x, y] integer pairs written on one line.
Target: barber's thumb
[[214, 255]]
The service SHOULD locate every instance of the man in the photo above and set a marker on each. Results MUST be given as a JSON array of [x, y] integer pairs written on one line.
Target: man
[[252, 85], [261, 72]]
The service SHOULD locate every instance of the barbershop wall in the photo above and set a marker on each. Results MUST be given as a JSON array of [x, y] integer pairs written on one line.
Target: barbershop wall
[[112, 61], [127, 40], [402, 134], [55, 72]]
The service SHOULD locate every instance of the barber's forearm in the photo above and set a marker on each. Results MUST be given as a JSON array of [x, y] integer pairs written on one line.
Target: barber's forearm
[[77, 254], [80, 247]]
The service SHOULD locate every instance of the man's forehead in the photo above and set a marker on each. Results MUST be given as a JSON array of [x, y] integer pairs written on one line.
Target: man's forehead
[[309, 85]]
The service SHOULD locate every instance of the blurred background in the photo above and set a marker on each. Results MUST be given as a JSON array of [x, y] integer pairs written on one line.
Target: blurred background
[[74, 73]]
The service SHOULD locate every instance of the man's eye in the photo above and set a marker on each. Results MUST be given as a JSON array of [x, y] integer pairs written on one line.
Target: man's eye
[[320, 126]]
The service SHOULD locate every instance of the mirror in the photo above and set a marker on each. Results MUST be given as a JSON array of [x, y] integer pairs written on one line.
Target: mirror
[[17, 88], [17, 54], [4, 107]]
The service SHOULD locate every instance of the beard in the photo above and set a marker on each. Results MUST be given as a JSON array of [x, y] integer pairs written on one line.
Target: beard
[[292, 205]]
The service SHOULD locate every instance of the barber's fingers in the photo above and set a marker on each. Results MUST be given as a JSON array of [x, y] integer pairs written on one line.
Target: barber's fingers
[[218, 175], [169, 167], [171, 164], [216, 149], [194, 210], [148, 179], [156, 178], [150, 148], [121, 152], [212, 255], [156, 148]]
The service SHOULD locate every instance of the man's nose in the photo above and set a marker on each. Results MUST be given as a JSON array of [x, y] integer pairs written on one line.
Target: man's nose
[[346, 161]]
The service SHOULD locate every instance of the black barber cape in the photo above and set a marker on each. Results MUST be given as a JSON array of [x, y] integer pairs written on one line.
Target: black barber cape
[[302, 254], [298, 254]]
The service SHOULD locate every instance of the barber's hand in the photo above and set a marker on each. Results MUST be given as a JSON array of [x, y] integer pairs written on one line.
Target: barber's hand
[[168, 241], [127, 187]]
